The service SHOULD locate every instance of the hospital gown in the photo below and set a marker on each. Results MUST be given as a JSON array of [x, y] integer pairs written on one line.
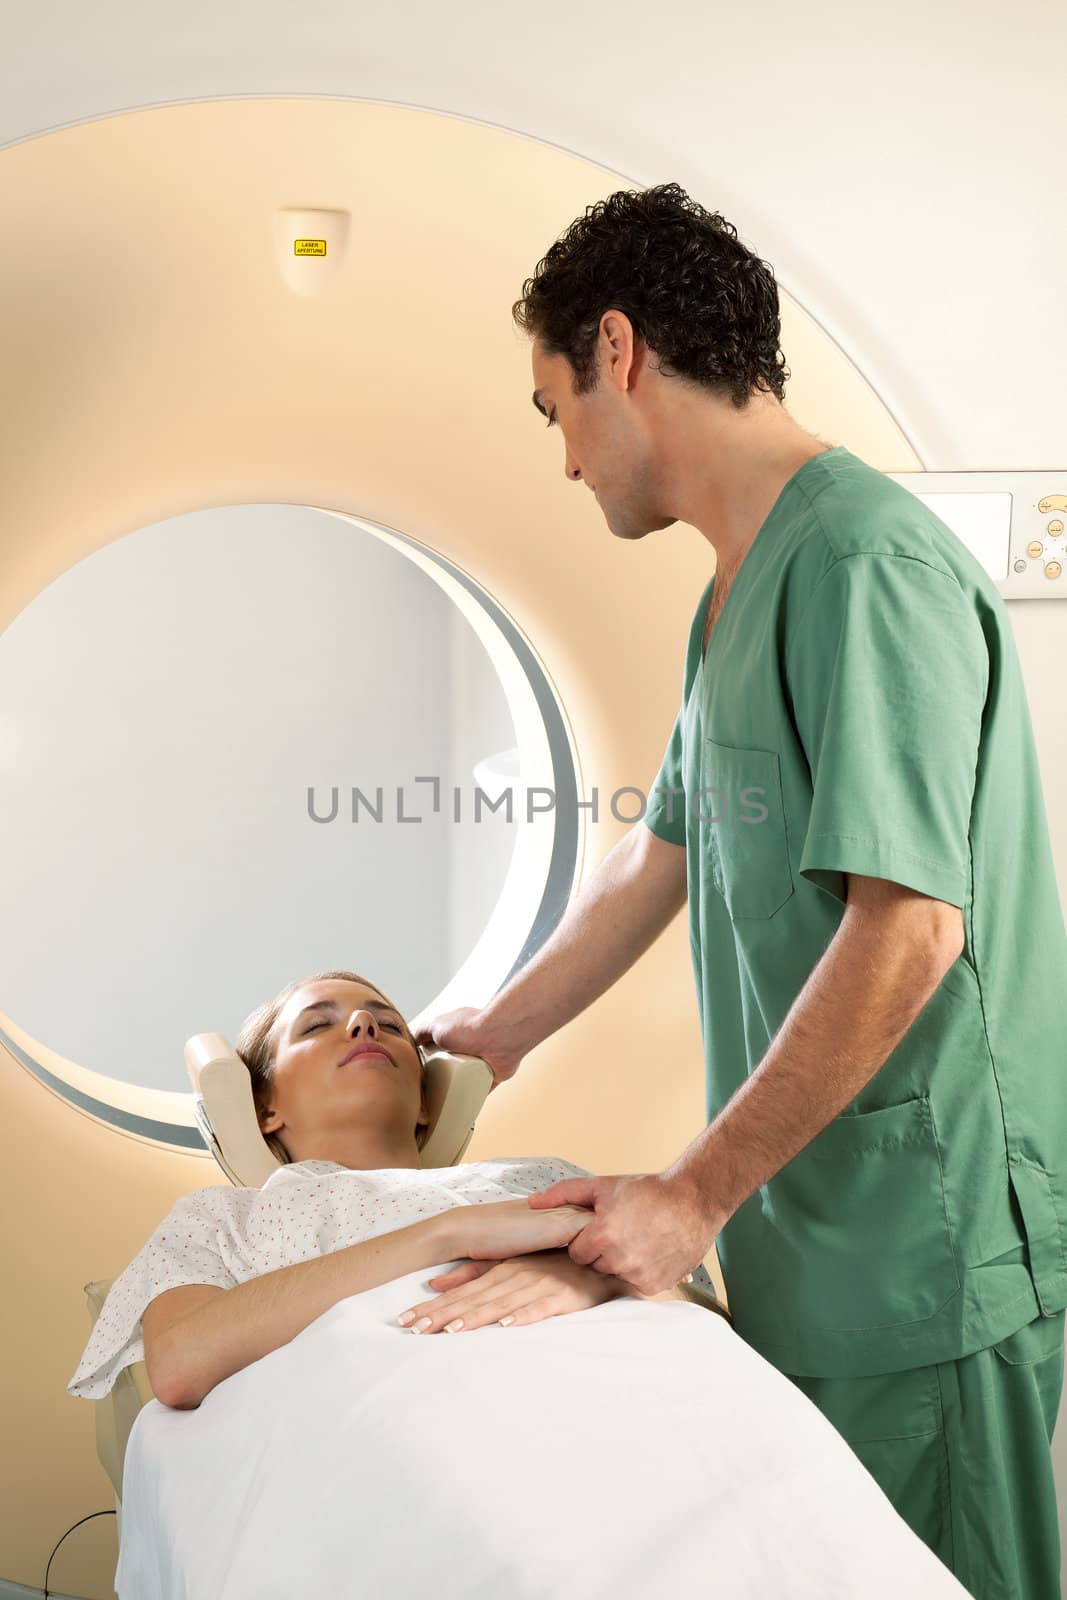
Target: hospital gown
[[225, 1235]]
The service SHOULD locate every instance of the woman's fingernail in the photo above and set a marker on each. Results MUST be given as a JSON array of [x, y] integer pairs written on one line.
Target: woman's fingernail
[[405, 1317], [453, 1327], [423, 1322], [504, 1321]]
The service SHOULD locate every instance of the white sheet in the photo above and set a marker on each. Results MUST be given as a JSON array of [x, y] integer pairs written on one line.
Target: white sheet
[[635, 1450]]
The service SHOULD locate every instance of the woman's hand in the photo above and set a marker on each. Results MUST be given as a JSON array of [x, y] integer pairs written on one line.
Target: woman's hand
[[526, 1289]]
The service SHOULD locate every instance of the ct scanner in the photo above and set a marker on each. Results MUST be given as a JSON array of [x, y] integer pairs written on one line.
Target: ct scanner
[[300, 301]]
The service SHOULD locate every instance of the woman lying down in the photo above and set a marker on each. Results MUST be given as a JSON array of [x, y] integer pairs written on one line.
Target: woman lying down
[[571, 1438]]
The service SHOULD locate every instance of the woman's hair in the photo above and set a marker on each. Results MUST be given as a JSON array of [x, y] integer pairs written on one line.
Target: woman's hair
[[257, 1046], [706, 305]]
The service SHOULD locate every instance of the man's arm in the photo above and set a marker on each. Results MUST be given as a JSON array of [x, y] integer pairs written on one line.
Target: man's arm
[[890, 953], [636, 890]]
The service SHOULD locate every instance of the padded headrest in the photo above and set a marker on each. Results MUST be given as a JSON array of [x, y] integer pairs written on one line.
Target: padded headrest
[[456, 1090]]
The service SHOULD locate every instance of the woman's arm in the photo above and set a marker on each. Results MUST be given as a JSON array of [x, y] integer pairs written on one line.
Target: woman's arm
[[191, 1348]]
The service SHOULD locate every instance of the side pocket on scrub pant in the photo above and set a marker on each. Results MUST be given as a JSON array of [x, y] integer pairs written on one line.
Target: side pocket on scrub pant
[[746, 846]]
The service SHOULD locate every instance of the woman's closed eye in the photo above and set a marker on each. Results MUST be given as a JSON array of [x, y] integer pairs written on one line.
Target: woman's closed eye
[[311, 1028]]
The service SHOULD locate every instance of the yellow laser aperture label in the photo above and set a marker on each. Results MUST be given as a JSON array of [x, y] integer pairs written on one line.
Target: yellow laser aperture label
[[309, 247]]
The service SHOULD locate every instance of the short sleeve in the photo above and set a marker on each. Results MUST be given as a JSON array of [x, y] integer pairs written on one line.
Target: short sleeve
[[567, 1169], [184, 1249], [531, 1174], [888, 671], [665, 816]]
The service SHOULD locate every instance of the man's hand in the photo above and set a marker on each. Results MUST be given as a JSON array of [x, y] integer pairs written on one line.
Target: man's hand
[[649, 1230], [466, 1033]]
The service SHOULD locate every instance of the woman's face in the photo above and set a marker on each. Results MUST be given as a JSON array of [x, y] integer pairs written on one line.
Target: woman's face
[[347, 1079]]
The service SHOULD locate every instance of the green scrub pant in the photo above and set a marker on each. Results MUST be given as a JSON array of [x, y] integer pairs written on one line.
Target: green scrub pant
[[962, 1451]]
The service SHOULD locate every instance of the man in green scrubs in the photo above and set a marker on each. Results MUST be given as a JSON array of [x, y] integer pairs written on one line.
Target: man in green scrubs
[[851, 805]]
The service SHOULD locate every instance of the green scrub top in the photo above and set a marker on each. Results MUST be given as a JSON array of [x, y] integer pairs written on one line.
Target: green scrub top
[[861, 710]]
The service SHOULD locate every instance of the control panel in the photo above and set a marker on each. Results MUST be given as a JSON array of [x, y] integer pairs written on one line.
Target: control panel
[[1013, 523]]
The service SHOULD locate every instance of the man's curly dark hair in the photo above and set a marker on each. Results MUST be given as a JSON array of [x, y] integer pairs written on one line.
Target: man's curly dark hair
[[706, 305]]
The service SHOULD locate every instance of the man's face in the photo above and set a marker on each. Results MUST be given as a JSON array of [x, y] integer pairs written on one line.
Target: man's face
[[607, 433]]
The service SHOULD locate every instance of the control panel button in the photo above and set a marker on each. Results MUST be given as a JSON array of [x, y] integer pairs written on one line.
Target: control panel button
[[1055, 526], [1020, 566], [1053, 569], [1035, 548]]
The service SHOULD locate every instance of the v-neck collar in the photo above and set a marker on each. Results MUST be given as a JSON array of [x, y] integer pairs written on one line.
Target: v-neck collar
[[757, 549]]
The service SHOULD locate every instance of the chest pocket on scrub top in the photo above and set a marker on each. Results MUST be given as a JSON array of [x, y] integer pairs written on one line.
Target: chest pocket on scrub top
[[745, 846]]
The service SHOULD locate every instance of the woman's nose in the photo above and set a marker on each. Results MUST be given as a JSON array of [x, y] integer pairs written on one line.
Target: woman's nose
[[362, 1021]]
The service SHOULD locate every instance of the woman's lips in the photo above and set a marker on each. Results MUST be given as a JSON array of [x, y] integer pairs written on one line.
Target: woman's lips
[[368, 1055]]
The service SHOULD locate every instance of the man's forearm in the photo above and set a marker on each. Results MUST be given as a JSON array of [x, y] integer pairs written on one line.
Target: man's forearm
[[857, 1005], [628, 901]]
